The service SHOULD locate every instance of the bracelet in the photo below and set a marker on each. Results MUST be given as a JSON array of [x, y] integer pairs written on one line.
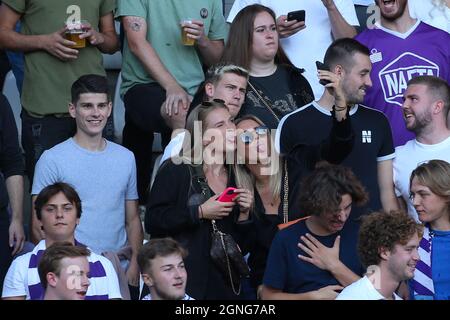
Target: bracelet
[[201, 211], [339, 109]]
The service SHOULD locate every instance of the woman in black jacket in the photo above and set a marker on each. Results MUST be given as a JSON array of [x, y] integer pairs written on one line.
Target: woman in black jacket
[[180, 205]]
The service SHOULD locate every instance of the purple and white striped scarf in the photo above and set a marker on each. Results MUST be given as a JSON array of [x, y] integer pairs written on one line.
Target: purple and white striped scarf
[[422, 284]]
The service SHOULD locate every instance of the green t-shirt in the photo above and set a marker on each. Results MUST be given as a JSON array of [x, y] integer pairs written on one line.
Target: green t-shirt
[[47, 80], [164, 34]]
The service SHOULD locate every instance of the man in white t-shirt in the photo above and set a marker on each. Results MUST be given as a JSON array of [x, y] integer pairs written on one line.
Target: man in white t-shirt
[[425, 109], [58, 212], [161, 262], [306, 42], [388, 245], [226, 82]]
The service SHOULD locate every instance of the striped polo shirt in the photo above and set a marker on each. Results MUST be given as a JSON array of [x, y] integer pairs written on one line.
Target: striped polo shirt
[[103, 279]]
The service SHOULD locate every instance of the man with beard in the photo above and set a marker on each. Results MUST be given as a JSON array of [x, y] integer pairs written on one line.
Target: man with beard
[[162, 267], [372, 153], [388, 246], [425, 110], [402, 48]]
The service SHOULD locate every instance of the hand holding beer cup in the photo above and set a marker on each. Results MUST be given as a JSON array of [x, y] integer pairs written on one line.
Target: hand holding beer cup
[[75, 31], [58, 45], [191, 31], [95, 38]]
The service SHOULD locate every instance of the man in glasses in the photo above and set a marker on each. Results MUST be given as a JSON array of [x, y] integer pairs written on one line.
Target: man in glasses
[[225, 82]]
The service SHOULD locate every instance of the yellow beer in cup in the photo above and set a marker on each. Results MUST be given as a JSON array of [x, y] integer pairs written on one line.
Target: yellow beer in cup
[[184, 37]]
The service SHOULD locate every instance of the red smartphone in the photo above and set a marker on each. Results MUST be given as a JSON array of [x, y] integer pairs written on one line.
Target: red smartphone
[[227, 195]]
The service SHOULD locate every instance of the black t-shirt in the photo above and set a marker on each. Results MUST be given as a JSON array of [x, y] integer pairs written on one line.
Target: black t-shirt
[[279, 95], [11, 162], [373, 142]]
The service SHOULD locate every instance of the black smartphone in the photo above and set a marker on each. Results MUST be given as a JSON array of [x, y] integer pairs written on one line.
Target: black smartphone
[[322, 66], [298, 15]]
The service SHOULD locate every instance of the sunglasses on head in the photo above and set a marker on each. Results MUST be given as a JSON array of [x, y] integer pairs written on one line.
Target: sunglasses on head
[[248, 136], [211, 103]]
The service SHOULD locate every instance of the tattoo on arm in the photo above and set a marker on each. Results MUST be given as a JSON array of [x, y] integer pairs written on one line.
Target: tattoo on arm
[[135, 24]]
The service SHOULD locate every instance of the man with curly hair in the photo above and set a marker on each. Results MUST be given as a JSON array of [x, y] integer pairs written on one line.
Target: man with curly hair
[[326, 258], [388, 247]]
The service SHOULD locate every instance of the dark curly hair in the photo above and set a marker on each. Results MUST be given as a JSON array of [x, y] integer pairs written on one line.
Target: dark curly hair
[[321, 191], [384, 230]]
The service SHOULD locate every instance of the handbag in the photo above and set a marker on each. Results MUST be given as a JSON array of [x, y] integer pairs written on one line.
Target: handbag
[[224, 251], [227, 256]]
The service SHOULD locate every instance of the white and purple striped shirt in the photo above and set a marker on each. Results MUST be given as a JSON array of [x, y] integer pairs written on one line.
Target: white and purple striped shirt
[[22, 278]]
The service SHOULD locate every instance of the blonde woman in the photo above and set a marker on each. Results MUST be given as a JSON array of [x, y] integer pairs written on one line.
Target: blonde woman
[[180, 208]]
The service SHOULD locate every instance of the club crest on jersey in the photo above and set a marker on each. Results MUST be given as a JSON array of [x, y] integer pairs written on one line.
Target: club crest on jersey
[[375, 56], [204, 13], [395, 76]]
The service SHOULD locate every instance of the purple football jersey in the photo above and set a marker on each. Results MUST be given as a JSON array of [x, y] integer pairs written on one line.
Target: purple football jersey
[[396, 58]]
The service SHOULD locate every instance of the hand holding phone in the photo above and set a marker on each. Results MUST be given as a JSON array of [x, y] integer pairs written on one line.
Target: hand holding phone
[[298, 15], [227, 195], [322, 66]]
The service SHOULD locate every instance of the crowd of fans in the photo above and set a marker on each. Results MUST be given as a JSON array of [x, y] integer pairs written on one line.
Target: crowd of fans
[[314, 136]]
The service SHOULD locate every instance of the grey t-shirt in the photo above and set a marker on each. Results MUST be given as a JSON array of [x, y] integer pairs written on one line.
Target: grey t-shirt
[[104, 181]]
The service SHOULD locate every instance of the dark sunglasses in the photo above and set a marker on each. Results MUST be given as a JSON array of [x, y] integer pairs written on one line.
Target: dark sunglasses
[[211, 103], [247, 137]]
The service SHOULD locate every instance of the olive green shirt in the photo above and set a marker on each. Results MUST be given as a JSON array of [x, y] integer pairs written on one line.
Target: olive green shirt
[[47, 80]]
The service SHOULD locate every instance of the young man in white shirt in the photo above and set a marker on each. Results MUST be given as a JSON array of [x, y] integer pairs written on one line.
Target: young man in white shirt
[[64, 272], [58, 212], [388, 245], [162, 267]]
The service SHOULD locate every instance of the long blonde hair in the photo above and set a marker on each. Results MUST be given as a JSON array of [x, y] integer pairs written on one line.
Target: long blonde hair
[[246, 179], [192, 151]]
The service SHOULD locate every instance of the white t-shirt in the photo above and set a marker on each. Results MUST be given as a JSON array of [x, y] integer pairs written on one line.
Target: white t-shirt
[[23, 277], [186, 297], [436, 15], [364, 2], [174, 147], [408, 157], [363, 289], [309, 44]]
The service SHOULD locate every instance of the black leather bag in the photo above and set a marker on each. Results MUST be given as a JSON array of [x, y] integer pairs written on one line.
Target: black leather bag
[[224, 251], [227, 256]]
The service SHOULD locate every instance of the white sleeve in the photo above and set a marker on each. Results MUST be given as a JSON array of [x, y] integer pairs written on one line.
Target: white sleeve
[[238, 5], [347, 10], [112, 279], [15, 284]]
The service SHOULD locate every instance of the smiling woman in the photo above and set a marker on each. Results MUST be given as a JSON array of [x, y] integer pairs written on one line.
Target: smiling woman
[[186, 209]]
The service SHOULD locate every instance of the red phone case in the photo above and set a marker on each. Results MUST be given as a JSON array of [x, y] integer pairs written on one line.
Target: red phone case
[[227, 195]]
